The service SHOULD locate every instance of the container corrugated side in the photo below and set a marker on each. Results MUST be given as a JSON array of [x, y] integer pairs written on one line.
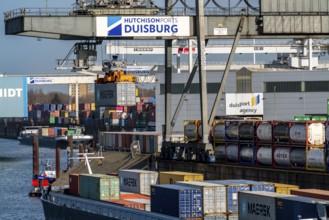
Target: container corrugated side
[[258, 205], [297, 207], [312, 193], [231, 193], [213, 196], [127, 203], [114, 187], [175, 200], [138, 181], [94, 186], [172, 177], [255, 185], [284, 188]]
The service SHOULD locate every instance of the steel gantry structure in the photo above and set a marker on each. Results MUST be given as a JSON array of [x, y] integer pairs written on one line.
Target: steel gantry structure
[[95, 21]]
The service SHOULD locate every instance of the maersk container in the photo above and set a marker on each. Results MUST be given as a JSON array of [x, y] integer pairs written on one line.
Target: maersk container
[[171, 177], [297, 207], [213, 196], [99, 187], [255, 185], [115, 94], [264, 155], [138, 181], [232, 190], [281, 132], [176, 200], [307, 133], [258, 205]]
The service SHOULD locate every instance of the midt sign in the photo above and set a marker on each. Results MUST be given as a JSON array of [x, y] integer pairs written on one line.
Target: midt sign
[[13, 97]]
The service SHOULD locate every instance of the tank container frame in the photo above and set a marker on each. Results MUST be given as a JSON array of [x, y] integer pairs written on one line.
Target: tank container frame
[[258, 163], [308, 167], [243, 137], [258, 123], [290, 166], [215, 123], [253, 160], [281, 139], [307, 124], [229, 123]]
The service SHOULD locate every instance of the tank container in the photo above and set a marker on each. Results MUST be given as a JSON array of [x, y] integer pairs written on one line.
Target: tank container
[[315, 159], [213, 196], [138, 181], [307, 133], [247, 131], [246, 153], [232, 152], [218, 132], [173, 176], [232, 190], [176, 200], [264, 155], [281, 132], [298, 157], [191, 130], [220, 152], [264, 132], [232, 131]]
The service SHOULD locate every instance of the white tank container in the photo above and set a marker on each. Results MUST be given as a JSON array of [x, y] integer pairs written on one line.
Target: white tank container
[[264, 155], [298, 157], [264, 132], [218, 132], [190, 132], [232, 152], [282, 156], [315, 158], [246, 153], [220, 152], [315, 133]]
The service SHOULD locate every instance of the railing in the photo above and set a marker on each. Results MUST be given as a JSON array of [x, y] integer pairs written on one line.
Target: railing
[[37, 12]]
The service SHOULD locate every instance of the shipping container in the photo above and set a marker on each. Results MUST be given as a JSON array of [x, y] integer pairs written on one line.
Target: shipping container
[[297, 207], [258, 205], [172, 176], [255, 185], [127, 204], [232, 190], [176, 200], [115, 94], [74, 184], [218, 131], [213, 196], [138, 181], [312, 193], [99, 187], [247, 154], [232, 130], [307, 133], [284, 188]]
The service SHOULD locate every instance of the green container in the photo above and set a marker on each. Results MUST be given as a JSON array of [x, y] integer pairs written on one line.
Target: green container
[[302, 118], [52, 120], [70, 132], [319, 118], [114, 191], [95, 186]]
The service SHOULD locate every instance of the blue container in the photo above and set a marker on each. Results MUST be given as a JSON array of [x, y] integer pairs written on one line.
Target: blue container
[[52, 107], [88, 121], [59, 107], [255, 185], [176, 200], [44, 107], [152, 99], [232, 193], [297, 207]]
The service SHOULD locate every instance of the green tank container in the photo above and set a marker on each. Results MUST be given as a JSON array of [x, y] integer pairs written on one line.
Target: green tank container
[[95, 186]]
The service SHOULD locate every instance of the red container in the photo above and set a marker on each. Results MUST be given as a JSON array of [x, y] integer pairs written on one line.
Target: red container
[[35, 183], [127, 204], [134, 196], [311, 193], [44, 183], [74, 184], [51, 132]]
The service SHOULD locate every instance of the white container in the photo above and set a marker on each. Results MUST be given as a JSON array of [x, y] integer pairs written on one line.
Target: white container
[[137, 181], [213, 196], [115, 94], [218, 132], [316, 158], [282, 156], [264, 155], [258, 205], [264, 132], [315, 133], [232, 153]]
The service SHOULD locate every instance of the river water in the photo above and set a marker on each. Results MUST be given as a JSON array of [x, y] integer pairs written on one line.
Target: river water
[[15, 180]]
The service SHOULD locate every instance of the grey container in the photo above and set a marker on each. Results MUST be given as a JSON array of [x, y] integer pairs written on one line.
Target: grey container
[[213, 197], [115, 94], [138, 181], [96, 186], [258, 205]]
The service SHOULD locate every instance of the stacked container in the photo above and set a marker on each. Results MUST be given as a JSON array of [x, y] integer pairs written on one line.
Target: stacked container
[[137, 181], [312, 193], [284, 188], [247, 138], [172, 177], [99, 187], [176, 200]]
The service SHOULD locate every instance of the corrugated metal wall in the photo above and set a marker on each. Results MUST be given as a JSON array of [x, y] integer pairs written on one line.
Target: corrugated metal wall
[[284, 6]]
